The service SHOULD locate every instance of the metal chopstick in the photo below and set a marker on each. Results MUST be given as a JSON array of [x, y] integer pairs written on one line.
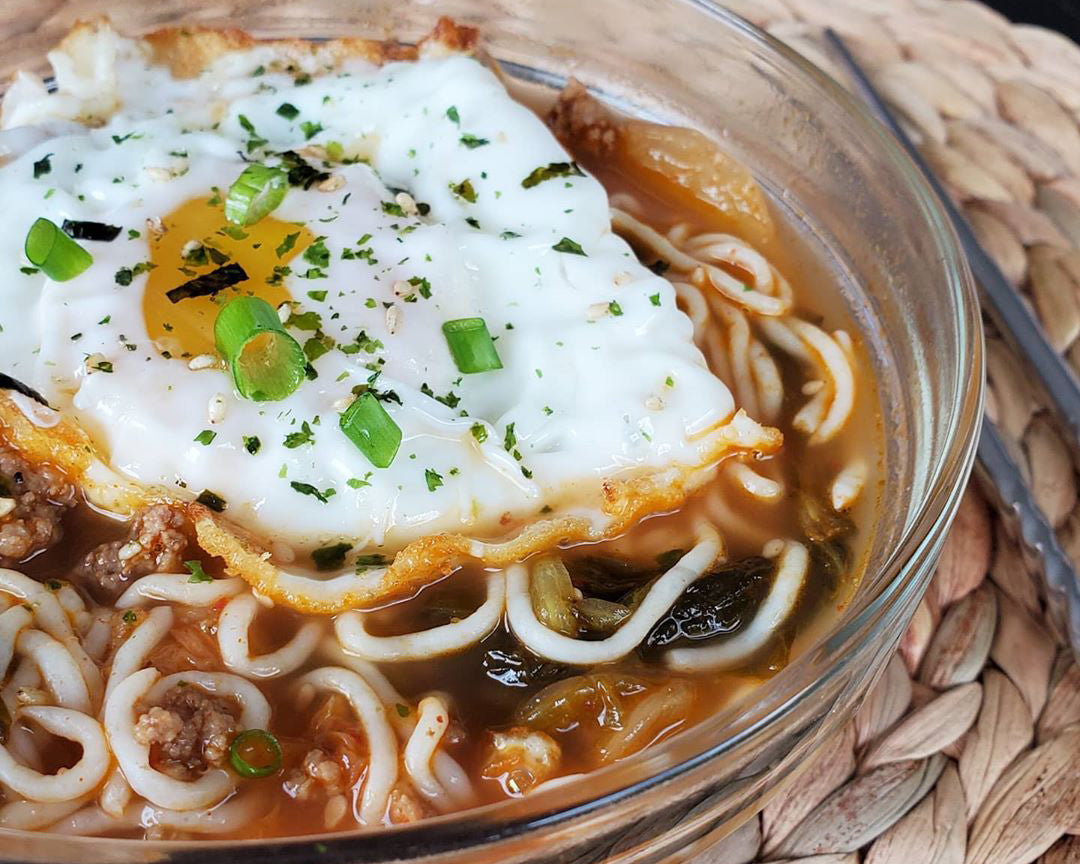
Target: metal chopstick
[[1015, 500], [1012, 317], [1017, 505]]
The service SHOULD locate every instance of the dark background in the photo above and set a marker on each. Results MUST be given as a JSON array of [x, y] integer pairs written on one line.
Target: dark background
[[1063, 15]]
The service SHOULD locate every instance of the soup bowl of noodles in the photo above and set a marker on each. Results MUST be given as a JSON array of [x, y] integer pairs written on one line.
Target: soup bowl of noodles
[[511, 431]]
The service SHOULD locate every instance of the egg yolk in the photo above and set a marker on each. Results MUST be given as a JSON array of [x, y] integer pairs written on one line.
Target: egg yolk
[[194, 240]]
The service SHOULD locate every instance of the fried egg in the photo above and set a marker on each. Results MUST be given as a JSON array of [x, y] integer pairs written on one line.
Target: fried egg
[[424, 194]]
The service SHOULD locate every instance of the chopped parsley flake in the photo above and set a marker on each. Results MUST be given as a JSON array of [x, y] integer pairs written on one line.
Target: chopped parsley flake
[[450, 400], [510, 438], [206, 437], [310, 129], [433, 478], [365, 562], [287, 244], [479, 432], [421, 285], [299, 439], [363, 343], [550, 171], [472, 142], [308, 321], [254, 140], [568, 246], [614, 308], [317, 346], [198, 574], [330, 557], [124, 275], [452, 113], [252, 444], [288, 111], [308, 489], [357, 483], [317, 253], [654, 299], [464, 190], [43, 166]]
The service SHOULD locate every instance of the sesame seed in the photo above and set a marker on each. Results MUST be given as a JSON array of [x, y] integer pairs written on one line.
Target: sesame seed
[[156, 172], [596, 311], [407, 203], [393, 319], [215, 410], [203, 361]]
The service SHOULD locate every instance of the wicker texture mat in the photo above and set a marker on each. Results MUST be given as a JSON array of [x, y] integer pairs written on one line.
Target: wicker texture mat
[[968, 749]]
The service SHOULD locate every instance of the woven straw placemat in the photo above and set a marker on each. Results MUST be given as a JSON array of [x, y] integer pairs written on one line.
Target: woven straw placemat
[[982, 694]]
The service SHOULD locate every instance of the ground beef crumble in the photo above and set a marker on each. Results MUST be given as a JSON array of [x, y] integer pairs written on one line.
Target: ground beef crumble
[[318, 773], [188, 732], [33, 499], [521, 758], [579, 119], [156, 543]]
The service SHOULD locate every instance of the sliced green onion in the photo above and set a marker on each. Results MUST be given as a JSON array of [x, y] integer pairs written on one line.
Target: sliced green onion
[[59, 257], [374, 432], [255, 753], [471, 345], [256, 193], [267, 363]]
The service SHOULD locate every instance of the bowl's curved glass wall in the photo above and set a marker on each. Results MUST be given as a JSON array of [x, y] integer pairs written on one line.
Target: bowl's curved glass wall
[[827, 166]]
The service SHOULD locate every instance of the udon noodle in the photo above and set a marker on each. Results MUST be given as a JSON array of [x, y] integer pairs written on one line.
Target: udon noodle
[[196, 706]]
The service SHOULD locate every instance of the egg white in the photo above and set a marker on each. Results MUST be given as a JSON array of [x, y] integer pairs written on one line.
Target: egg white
[[601, 379]]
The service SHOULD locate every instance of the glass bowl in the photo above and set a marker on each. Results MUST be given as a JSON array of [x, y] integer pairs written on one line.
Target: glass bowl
[[835, 173]]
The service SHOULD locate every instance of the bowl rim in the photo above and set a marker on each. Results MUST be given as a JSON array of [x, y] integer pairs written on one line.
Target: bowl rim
[[924, 535]]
